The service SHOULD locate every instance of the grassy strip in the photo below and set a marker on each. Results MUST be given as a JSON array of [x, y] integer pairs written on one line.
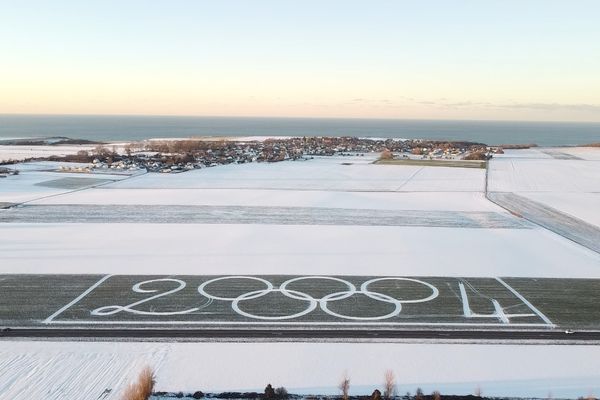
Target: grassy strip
[[434, 163]]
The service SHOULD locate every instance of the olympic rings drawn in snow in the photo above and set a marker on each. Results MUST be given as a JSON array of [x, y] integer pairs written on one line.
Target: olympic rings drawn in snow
[[312, 303]]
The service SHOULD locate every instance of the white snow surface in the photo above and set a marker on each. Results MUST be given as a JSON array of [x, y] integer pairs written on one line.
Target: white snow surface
[[587, 153], [25, 186], [533, 152], [543, 175], [8, 152], [59, 371], [585, 206], [322, 182], [83, 371], [448, 201], [570, 186], [273, 249], [322, 173], [290, 249]]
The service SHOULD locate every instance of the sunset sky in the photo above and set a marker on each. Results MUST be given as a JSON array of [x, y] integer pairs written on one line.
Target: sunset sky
[[505, 60]]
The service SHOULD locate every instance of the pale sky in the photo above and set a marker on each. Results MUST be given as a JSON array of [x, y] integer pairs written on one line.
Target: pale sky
[[444, 59]]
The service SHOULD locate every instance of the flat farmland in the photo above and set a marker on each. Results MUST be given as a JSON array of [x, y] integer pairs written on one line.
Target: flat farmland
[[306, 302], [257, 215]]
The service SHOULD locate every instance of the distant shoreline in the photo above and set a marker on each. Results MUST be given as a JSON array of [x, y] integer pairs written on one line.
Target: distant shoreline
[[135, 128]]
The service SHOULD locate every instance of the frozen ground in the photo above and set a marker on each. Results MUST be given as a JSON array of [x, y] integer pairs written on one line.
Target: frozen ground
[[290, 249], [577, 230], [43, 179], [544, 175], [53, 371], [309, 188], [586, 206], [423, 201], [322, 173], [261, 215], [585, 153], [31, 185], [24, 152], [569, 185], [72, 368], [322, 182]]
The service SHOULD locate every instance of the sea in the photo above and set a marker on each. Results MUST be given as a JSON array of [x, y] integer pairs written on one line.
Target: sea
[[134, 128]]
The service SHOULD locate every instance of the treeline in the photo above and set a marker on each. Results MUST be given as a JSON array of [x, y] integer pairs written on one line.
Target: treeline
[[143, 389]]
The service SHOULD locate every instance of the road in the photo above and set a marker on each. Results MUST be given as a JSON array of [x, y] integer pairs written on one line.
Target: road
[[182, 334]]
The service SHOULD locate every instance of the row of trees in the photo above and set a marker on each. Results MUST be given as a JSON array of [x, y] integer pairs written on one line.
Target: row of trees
[[389, 387], [143, 387]]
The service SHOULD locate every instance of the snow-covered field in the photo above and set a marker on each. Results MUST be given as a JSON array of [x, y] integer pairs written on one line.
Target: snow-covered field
[[24, 152], [314, 183], [448, 201], [71, 370], [568, 185], [585, 206], [33, 183], [308, 249], [586, 153], [54, 371], [289, 249], [544, 175], [322, 173]]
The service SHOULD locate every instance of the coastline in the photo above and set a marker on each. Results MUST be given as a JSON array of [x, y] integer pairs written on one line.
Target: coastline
[[136, 128]]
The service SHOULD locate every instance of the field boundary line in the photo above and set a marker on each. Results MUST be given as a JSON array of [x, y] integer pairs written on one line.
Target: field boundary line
[[524, 300], [76, 300], [250, 324]]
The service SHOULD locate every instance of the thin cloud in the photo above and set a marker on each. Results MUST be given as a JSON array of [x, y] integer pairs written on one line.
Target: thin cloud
[[552, 106], [583, 107], [446, 103]]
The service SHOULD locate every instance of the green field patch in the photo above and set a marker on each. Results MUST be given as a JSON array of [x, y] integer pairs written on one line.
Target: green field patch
[[434, 163], [301, 301]]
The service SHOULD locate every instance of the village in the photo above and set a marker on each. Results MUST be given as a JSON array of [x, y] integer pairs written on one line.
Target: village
[[174, 156]]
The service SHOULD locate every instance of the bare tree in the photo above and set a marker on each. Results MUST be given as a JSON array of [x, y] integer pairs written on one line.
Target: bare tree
[[269, 392], [101, 151], [281, 393], [345, 386], [389, 384], [477, 391], [436, 395], [419, 394], [386, 155], [142, 388]]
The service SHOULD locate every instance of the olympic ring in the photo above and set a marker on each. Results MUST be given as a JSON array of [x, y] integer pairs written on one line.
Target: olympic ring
[[252, 295], [322, 302], [312, 302], [434, 291], [351, 288], [210, 296], [397, 307]]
